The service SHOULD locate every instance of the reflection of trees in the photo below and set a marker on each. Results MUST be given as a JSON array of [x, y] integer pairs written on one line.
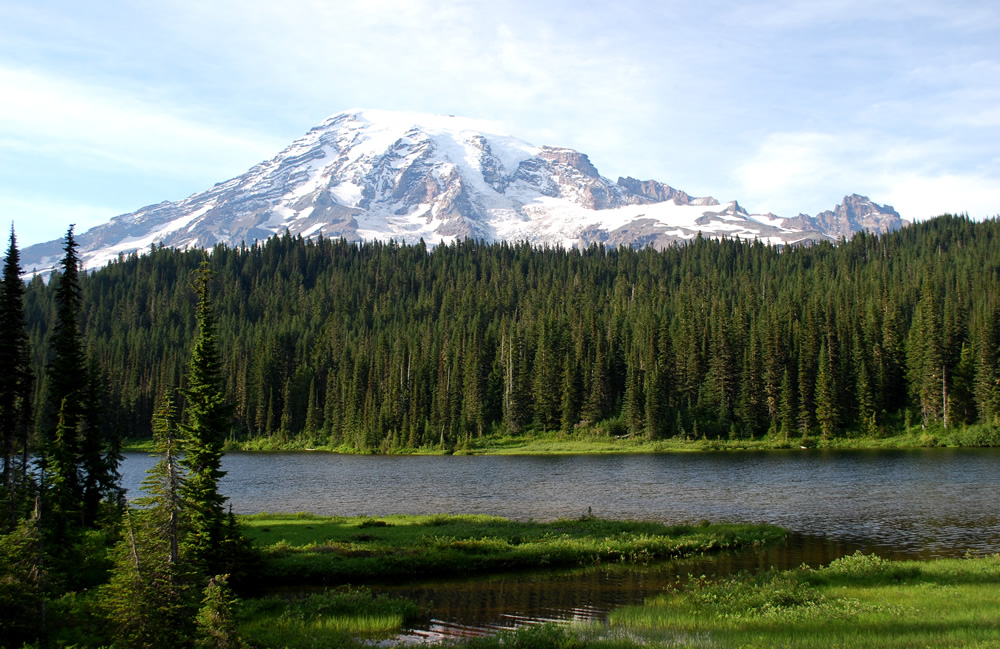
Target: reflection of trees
[[507, 600]]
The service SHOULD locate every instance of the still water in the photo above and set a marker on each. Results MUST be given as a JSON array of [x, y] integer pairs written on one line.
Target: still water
[[913, 503]]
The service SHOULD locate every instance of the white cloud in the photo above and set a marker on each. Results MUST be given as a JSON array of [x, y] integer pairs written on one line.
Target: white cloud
[[87, 125], [811, 171], [918, 197]]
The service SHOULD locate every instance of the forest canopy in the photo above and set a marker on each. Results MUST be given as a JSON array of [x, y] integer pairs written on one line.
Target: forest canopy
[[381, 347]]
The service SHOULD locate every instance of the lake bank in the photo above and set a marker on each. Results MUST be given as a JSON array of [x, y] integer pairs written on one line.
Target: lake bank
[[562, 444]]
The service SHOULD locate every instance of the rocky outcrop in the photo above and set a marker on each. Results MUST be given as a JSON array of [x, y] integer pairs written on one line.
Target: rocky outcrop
[[653, 192], [569, 158], [854, 214]]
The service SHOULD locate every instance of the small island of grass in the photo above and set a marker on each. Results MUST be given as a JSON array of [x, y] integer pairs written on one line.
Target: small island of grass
[[305, 549]]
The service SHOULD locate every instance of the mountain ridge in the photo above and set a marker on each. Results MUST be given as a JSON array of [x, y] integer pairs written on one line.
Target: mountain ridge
[[371, 174]]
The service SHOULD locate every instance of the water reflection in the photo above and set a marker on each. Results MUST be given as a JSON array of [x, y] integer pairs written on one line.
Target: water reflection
[[509, 600]]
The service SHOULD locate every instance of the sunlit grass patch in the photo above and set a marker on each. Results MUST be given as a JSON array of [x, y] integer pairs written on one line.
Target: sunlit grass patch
[[858, 601], [328, 619], [304, 549]]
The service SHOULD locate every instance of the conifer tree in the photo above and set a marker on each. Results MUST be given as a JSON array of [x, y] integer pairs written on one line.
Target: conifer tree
[[62, 482], [863, 391], [216, 620], [150, 599], [64, 378], [74, 400], [987, 369], [598, 404], [787, 413], [752, 407], [66, 368], [570, 401], [206, 425], [15, 386], [826, 395], [926, 360]]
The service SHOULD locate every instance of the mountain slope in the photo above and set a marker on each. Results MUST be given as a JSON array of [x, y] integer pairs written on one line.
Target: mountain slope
[[379, 175]]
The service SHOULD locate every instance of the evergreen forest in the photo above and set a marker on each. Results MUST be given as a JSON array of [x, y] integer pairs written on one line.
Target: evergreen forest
[[382, 347]]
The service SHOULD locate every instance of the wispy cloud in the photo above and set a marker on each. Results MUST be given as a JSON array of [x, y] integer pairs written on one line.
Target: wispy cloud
[[87, 124], [798, 171]]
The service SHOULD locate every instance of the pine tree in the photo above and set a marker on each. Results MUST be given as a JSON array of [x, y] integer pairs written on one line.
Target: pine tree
[[63, 418], [863, 391], [752, 407], [62, 481], [926, 360], [987, 368], [16, 381], [150, 597], [216, 620], [164, 483], [570, 400], [204, 431], [598, 404], [74, 393], [789, 408], [67, 368], [827, 414]]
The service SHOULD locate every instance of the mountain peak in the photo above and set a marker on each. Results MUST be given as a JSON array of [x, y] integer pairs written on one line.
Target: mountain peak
[[375, 174]]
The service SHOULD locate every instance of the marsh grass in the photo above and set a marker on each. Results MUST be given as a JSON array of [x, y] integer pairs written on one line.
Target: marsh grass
[[857, 601], [331, 619], [306, 549]]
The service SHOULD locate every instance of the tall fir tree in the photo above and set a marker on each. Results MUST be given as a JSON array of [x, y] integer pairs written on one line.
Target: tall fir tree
[[65, 381], [987, 368], [66, 369], [827, 414], [16, 385], [74, 400], [207, 422], [928, 379]]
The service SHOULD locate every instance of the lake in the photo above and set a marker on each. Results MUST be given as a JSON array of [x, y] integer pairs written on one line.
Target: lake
[[899, 503]]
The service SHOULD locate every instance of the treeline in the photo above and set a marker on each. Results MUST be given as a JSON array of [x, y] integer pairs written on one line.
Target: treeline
[[380, 347]]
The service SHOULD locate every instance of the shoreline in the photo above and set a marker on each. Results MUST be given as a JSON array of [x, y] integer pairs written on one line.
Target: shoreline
[[559, 444]]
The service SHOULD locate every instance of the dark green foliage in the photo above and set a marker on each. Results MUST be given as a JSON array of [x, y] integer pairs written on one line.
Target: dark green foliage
[[66, 370], [380, 347], [216, 620], [75, 451], [22, 585], [16, 386], [207, 416], [149, 600]]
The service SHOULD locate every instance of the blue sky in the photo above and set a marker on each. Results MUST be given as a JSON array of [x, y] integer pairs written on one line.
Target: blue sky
[[785, 106]]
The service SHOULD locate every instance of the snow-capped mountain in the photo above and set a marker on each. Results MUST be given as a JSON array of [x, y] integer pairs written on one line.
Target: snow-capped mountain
[[371, 174]]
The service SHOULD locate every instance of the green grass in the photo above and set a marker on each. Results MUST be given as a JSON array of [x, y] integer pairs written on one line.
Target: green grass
[[857, 601], [329, 619], [608, 437], [306, 549]]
